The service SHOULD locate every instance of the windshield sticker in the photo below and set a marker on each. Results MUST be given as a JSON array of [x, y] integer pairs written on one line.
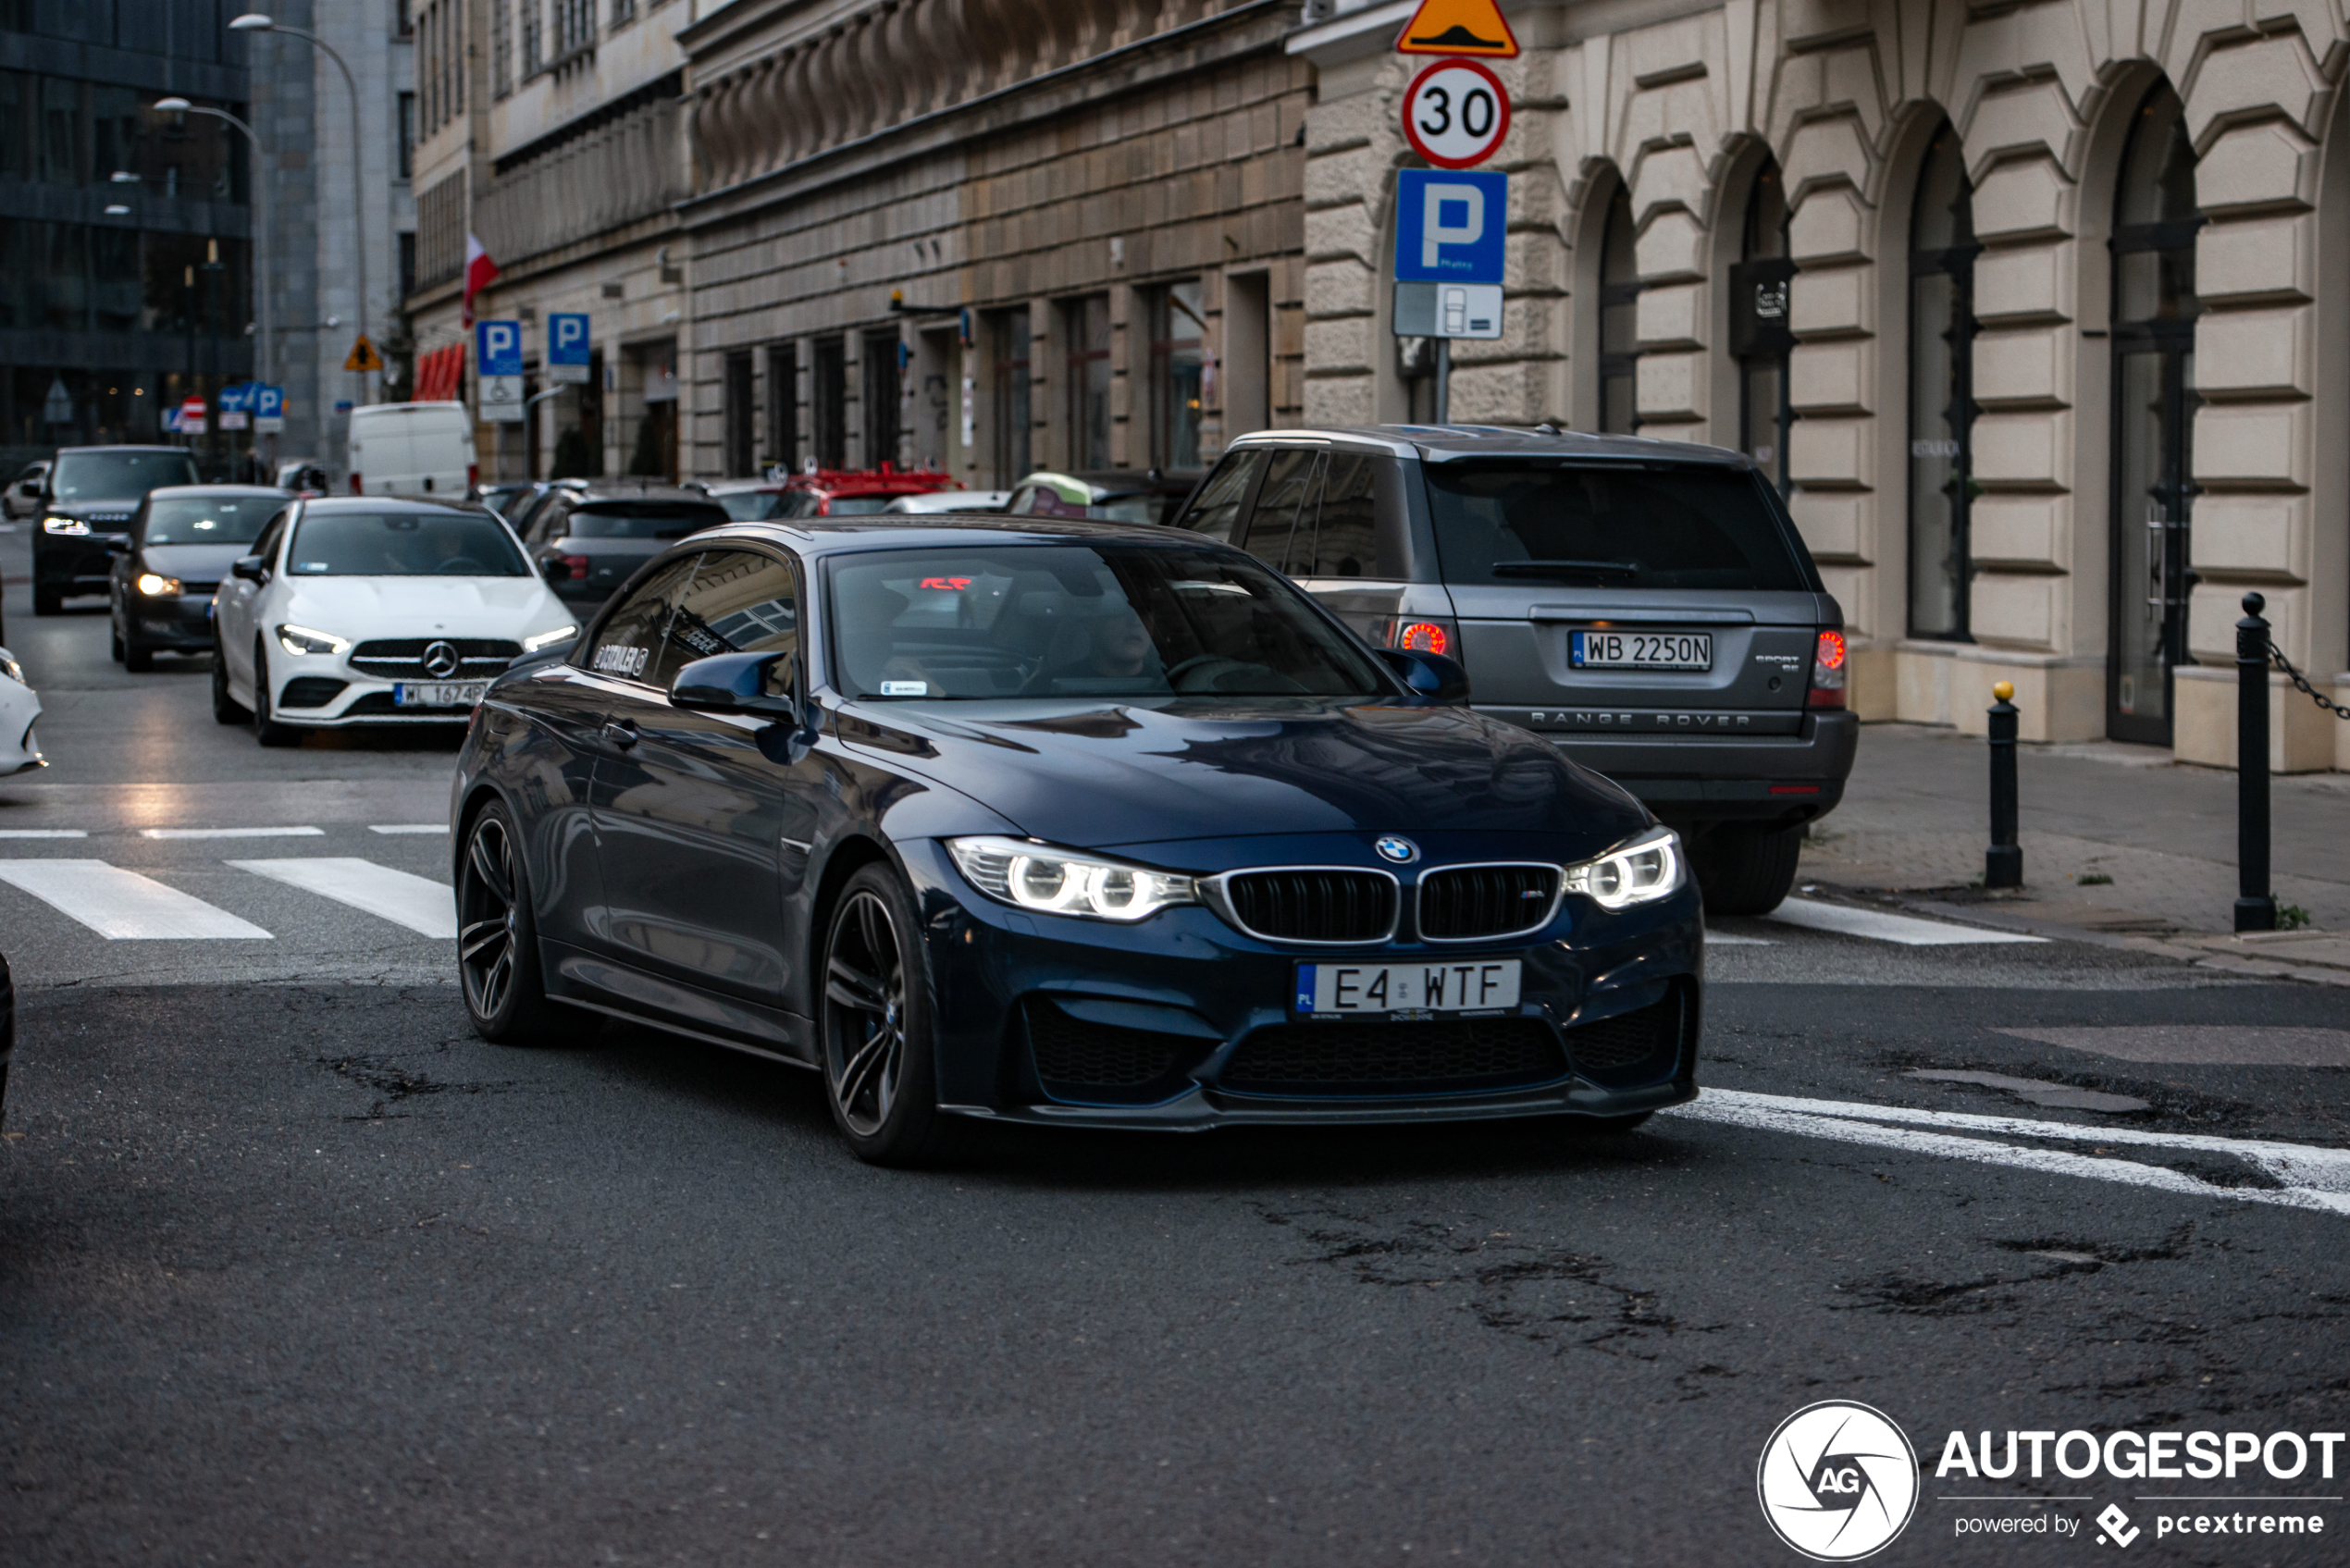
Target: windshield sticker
[[310, 566], [905, 688], [948, 584], [621, 660]]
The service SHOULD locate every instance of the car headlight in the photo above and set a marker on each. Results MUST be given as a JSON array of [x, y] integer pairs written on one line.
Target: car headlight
[[302, 639], [13, 670], [64, 526], [548, 639], [1638, 871], [155, 586], [1057, 882]]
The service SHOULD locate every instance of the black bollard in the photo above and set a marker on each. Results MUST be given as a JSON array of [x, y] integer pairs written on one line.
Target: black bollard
[[2255, 905], [2003, 862]]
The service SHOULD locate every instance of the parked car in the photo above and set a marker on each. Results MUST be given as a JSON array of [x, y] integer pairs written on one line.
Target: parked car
[[373, 611], [413, 449], [19, 706], [952, 500], [1108, 497], [23, 498], [586, 540], [183, 540], [86, 502], [505, 497], [751, 501], [302, 476], [1067, 824], [1647, 607]]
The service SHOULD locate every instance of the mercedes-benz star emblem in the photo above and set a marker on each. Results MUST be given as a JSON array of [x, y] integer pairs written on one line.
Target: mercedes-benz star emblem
[[440, 659], [1395, 848]]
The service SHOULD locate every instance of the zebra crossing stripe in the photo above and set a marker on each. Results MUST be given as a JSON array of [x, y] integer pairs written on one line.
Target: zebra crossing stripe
[[408, 827], [1877, 926], [233, 832], [44, 833], [122, 906], [423, 905]]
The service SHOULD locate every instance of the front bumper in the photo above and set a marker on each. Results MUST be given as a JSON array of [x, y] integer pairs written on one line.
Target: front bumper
[[1216, 1005], [323, 692], [1710, 778], [178, 622]]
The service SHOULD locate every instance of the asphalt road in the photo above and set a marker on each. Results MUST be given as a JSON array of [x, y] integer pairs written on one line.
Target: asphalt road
[[294, 1269]]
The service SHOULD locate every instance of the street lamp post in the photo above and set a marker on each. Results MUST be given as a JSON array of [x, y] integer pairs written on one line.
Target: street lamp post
[[262, 357], [255, 21]]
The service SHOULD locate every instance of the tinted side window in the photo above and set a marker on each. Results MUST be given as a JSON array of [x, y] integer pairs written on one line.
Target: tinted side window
[[1217, 511], [630, 641], [739, 601], [1346, 538], [1292, 486], [271, 532]]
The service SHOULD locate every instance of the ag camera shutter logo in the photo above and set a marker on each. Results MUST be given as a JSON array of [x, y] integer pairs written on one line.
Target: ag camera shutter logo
[[1838, 1481]]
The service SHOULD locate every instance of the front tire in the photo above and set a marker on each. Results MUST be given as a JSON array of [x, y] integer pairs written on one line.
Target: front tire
[[498, 936], [48, 601], [1746, 870], [226, 709], [880, 1069], [265, 730]]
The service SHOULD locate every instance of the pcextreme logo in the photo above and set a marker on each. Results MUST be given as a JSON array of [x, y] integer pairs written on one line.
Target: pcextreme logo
[[1838, 1481]]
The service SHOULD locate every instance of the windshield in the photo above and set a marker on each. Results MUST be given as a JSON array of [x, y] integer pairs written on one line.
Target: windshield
[[1635, 528], [643, 520], [120, 475], [1083, 620], [403, 544], [753, 506], [208, 520]]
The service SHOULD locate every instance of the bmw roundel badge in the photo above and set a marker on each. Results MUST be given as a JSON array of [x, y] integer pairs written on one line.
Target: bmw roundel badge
[[1397, 847]]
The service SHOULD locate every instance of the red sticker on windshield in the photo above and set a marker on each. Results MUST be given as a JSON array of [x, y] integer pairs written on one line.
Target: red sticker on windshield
[[948, 584]]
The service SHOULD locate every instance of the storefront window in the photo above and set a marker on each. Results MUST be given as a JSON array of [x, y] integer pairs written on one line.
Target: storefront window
[[1088, 327], [1760, 287], [1619, 319], [1177, 379], [1013, 416], [1942, 253]]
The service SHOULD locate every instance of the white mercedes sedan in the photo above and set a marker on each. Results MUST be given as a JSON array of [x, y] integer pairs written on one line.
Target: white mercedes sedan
[[372, 611]]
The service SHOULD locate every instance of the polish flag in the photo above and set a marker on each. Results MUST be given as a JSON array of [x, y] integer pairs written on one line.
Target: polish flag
[[480, 272]]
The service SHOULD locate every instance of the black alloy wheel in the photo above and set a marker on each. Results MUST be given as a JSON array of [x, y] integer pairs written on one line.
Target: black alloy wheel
[[498, 938], [265, 730], [226, 709], [875, 1024]]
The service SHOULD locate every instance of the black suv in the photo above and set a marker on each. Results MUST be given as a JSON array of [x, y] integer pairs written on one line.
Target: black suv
[[1647, 606], [587, 539], [86, 502]]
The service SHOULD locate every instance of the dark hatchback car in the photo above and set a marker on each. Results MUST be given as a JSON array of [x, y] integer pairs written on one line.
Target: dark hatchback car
[[587, 539], [1062, 824], [86, 503], [1647, 607], [182, 541]]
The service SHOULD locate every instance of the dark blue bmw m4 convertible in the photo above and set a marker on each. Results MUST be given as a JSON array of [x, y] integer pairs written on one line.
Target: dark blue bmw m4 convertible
[[1062, 824]]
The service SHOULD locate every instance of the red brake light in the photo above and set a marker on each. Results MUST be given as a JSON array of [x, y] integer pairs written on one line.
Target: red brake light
[[472, 476], [574, 566], [354, 483], [1423, 637], [1827, 672]]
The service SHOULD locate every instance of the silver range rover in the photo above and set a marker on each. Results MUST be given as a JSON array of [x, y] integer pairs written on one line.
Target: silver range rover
[[1647, 606]]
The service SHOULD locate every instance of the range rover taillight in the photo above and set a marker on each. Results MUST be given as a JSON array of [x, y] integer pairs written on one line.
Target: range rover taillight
[[1827, 672], [1423, 636]]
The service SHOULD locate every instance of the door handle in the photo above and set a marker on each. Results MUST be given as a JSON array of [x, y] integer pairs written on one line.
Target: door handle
[[621, 733]]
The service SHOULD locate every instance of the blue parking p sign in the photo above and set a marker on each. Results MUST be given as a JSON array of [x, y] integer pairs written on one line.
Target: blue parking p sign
[[567, 337], [498, 346], [1449, 227]]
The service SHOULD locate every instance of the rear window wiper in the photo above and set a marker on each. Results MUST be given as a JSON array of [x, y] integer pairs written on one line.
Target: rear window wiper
[[1566, 569]]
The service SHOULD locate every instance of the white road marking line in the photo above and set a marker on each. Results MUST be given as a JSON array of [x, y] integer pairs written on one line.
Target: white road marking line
[[233, 832], [408, 827], [122, 906], [422, 905], [1879, 926], [1724, 939], [44, 833], [2314, 1178]]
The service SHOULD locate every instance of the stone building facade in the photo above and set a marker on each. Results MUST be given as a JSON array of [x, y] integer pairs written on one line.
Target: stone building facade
[[2040, 314], [993, 235]]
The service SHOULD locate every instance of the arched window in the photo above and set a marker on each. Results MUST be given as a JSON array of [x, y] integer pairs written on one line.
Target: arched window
[[1758, 337], [1619, 319], [2154, 219], [1942, 253]]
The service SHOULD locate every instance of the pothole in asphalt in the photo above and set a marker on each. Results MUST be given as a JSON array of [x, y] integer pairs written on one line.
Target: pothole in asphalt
[[2061, 1096]]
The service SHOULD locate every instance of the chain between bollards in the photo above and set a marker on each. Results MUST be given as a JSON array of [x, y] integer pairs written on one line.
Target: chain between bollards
[[2003, 862], [2256, 905]]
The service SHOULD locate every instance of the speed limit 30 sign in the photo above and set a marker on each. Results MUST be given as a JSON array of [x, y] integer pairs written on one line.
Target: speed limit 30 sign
[[1455, 113]]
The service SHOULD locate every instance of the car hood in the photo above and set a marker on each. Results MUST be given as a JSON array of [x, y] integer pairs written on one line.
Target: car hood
[[1093, 777], [391, 607], [203, 562]]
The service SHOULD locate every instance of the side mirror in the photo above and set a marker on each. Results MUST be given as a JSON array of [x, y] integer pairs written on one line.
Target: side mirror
[[252, 568], [1431, 676], [737, 683]]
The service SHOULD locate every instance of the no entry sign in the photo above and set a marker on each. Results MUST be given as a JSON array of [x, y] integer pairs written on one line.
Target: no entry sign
[[1455, 113]]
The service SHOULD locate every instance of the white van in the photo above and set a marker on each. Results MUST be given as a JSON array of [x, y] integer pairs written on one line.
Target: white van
[[413, 449]]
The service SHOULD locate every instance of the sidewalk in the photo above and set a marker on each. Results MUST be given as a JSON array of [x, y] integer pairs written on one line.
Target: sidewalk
[[2120, 845]]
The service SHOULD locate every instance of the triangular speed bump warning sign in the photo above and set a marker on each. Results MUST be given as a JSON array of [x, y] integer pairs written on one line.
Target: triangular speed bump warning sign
[[1458, 27], [364, 357]]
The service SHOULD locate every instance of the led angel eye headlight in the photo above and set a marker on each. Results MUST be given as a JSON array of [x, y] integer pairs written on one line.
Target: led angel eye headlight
[[548, 639], [1057, 882], [1638, 871], [302, 639]]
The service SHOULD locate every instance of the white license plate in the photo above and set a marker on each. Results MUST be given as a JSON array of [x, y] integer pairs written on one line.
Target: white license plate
[[438, 694], [1642, 651], [1350, 990]]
